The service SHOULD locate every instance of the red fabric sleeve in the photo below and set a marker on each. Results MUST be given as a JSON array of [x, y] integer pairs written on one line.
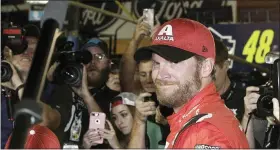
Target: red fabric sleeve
[[202, 135]]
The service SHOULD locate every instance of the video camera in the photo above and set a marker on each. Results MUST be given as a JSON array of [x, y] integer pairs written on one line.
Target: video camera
[[270, 89], [13, 37], [70, 69]]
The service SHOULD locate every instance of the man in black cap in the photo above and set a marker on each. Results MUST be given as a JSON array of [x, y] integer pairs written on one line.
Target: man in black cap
[[12, 90]]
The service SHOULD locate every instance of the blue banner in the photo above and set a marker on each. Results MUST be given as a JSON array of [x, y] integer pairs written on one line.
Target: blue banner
[[250, 42]]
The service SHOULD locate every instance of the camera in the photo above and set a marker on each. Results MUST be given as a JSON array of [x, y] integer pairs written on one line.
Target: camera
[[70, 69], [264, 103], [6, 72], [270, 89]]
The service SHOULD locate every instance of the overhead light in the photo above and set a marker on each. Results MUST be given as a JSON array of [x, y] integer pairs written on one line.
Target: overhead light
[[37, 2]]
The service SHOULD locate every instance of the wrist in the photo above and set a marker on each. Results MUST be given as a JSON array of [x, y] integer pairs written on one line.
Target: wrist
[[135, 41], [140, 119], [246, 114], [85, 94]]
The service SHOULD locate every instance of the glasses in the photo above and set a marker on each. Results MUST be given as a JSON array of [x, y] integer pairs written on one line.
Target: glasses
[[98, 57]]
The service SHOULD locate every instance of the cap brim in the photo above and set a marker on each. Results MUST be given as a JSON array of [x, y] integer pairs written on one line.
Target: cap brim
[[170, 53]]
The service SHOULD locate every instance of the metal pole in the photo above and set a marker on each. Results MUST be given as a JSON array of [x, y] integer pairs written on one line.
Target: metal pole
[[242, 61], [105, 12]]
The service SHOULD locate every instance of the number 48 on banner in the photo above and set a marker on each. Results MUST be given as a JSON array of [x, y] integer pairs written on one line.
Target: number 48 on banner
[[258, 45]]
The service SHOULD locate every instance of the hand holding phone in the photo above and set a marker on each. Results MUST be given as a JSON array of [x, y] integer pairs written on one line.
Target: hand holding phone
[[97, 121]]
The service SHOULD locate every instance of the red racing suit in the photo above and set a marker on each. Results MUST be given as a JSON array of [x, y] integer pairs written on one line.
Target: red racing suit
[[218, 129]]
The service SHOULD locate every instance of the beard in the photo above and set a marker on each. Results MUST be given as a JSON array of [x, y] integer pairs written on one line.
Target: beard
[[182, 94], [98, 78]]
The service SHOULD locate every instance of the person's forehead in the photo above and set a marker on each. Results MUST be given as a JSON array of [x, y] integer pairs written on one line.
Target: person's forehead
[[145, 65], [31, 40], [119, 108], [95, 50], [157, 57]]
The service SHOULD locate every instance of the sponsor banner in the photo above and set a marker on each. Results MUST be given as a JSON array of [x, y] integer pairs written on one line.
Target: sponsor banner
[[248, 41]]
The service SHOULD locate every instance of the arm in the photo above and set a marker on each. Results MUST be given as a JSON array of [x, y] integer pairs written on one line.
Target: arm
[[91, 103], [128, 64], [143, 110], [50, 117], [138, 133], [128, 67], [250, 103]]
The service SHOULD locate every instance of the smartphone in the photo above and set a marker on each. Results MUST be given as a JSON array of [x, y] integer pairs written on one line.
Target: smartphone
[[97, 120], [149, 16]]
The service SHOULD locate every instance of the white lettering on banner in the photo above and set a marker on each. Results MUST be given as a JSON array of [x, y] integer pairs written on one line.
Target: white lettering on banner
[[168, 9], [231, 43], [95, 17], [174, 9]]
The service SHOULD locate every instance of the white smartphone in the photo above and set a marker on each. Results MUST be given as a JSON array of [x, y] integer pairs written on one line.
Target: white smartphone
[[149, 16], [97, 120]]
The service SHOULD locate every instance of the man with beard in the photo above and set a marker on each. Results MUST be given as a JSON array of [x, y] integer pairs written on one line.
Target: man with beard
[[93, 95], [183, 54]]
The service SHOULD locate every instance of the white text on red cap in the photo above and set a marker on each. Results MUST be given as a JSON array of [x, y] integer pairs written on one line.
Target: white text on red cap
[[165, 34]]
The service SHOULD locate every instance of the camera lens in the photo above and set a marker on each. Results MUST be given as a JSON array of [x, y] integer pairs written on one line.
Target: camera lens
[[267, 103], [6, 72], [71, 75], [265, 106], [97, 121]]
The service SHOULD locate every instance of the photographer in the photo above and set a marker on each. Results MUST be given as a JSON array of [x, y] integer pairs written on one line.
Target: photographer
[[13, 89], [92, 95], [256, 127], [262, 109]]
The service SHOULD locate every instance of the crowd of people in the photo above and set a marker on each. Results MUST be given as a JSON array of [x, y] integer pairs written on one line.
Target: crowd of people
[[175, 93]]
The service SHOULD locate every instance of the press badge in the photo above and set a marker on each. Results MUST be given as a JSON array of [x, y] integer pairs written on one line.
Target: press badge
[[76, 128], [70, 146]]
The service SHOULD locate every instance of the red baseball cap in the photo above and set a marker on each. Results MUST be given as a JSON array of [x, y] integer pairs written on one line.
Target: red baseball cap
[[178, 40]]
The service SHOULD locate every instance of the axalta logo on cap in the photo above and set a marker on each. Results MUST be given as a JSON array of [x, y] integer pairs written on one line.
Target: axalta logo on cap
[[165, 34]]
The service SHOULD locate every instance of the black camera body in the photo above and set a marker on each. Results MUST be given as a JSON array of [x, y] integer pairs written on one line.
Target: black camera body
[[70, 69], [13, 37], [264, 103], [271, 89]]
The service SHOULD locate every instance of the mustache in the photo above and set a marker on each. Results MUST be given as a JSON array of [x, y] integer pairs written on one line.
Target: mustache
[[164, 82], [92, 68]]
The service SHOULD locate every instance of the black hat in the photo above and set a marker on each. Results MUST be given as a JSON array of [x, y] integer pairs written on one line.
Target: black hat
[[31, 30]]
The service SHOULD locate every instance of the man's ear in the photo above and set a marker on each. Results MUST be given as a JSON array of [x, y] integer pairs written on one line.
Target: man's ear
[[207, 67], [110, 63], [226, 64]]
